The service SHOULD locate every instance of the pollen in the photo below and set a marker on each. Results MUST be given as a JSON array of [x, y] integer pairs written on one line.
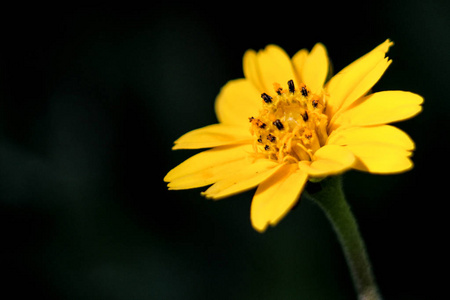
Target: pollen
[[291, 126]]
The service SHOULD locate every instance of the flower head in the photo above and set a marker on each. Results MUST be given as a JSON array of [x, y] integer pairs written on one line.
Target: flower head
[[282, 125]]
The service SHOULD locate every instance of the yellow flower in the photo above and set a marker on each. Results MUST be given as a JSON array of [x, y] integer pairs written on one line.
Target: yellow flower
[[282, 125]]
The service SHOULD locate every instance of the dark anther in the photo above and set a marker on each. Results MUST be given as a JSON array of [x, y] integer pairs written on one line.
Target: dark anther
[[271, 138], [304, 91], [266, 147], [315, 103], [266, 98], [279, 91], [260, 140], [291, 86], [278, 124], [305, 116], [257, 122]]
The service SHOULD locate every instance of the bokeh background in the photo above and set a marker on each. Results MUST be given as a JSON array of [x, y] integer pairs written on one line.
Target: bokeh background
[[91, 99]]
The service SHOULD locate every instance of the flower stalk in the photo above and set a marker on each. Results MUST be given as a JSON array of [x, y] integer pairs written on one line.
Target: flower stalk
[[331, 199]]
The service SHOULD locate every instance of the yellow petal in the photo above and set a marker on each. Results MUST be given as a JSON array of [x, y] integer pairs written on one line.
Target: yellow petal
[[276, 196], [344, 86], [380, 108], [274, 66], [213, 136], [315, 68], [328, 160], [237, 101], [298, 60], [366, 83], [208, 167], [380, 158], [251, 70], [383, 134], [247, 178]]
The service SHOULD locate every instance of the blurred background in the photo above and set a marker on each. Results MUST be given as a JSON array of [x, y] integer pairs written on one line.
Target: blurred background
[[91, 100]]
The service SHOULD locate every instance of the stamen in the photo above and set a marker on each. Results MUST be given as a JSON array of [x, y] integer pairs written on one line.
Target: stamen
[[305, 116], [291, 86], [266, 98], [315, 102], [277, 88], [304, 91], [271, 138], [278, 124], [258, 122], [291, 126]]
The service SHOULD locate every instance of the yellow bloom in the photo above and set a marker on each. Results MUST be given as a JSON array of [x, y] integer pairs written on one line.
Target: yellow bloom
[[300, 128]]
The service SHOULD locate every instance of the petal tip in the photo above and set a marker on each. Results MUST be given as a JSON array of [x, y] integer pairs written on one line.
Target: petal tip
[[206, 195], [260, 227], [386, 45], [169, 176]]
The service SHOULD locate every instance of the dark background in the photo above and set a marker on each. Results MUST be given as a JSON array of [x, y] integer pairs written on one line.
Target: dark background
[[91, 100]]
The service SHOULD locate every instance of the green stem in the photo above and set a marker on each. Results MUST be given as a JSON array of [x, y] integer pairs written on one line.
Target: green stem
[[331, 199]]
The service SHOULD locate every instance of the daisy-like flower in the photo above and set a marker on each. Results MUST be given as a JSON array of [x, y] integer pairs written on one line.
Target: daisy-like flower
[[282, 125]]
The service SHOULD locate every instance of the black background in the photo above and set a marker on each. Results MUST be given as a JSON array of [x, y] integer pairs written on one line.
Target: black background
[[91, 99]]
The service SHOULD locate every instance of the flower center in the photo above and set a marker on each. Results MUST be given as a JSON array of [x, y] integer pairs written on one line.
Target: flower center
[[291, 125]]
